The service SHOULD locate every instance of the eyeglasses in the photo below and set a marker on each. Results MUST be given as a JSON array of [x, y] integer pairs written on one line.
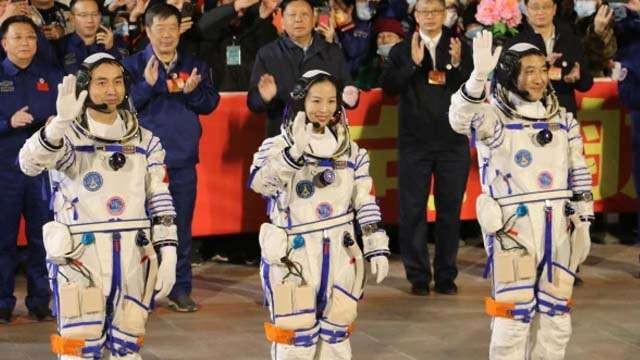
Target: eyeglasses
[[85, 15], [539, 8], [19, 38], [427, 13]]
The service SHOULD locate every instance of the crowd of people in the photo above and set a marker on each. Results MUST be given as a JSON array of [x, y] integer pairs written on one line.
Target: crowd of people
[[172, 58]]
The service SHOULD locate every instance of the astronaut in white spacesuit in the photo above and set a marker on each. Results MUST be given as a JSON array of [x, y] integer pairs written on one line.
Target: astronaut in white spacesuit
[[113, 212], [536, 205], [318, 187]]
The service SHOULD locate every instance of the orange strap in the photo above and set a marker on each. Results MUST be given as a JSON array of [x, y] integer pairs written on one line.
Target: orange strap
[[278, 335], [66, 346], [498, 309]]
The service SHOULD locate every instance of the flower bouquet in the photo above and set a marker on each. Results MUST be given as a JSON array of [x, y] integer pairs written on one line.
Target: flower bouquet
[[501, 16]]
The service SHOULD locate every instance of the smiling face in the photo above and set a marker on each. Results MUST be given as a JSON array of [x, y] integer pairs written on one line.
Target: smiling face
[[540, 13], [20, 43], [107, 86], [321, 103], [534, 76], [430, 15], [164, 35], [85, 16]]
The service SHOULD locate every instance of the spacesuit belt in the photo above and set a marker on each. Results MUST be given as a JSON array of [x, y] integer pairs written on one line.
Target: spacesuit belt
[[110, 226], [320, 225], [535, 197]]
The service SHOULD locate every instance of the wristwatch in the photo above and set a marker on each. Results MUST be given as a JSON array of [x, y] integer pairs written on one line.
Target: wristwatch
[[583, 196], [163, 220]]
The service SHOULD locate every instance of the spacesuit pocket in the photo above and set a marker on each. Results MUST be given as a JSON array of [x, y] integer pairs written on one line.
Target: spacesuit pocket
[[562, 285], [58, 242], [294, 306], [134, 316], [273, 242], [508, 270], [489, 214], [344, 307], [81, 311]]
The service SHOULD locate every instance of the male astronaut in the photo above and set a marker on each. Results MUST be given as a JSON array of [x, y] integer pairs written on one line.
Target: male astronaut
[[318, 186], [536, 205], [113, 212]]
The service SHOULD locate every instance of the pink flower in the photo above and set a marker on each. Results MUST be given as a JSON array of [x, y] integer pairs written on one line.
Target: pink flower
[[488, 12], [491, 12]]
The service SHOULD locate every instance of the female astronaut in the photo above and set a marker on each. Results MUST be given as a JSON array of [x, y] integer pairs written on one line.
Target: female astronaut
[[319, 191]]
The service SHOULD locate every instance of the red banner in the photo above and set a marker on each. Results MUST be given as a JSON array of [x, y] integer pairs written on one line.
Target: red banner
[[232, 134]]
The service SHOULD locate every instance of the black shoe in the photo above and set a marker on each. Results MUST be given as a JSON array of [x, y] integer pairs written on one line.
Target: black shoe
[[41, 313], [447, 288], [420, 290], [578, 282], [5, 316], [183, 303]]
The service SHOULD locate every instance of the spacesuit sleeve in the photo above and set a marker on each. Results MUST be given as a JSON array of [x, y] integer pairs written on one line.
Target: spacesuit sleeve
[[38, 155], [473, 117], [579, 173], [159, 200], [272, 168], [364, 195]]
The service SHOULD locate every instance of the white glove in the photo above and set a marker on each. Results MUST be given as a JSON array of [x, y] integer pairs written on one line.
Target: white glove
[[580, 245], [350, 95], [484, 61], [301, 135], [379, 266], [166, 272], [68, 107]]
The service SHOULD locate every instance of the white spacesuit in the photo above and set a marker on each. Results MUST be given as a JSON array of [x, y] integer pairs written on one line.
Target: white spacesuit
[[318, 186], [112, 208], [536, 202]]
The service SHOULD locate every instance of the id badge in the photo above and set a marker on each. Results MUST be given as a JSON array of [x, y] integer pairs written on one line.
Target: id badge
[[555, 73], [437, 77], [234, 55]]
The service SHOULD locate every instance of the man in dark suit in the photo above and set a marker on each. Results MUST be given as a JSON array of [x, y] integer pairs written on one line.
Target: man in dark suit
[[426, 69]]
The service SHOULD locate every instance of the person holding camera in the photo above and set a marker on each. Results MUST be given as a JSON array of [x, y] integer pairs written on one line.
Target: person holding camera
[[89, 37]]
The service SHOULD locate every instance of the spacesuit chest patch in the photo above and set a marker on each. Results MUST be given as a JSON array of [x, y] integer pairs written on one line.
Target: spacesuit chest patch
[[523, 158], [305, 189], [545, 179], [324, 210], [115, 205], [92, 181]]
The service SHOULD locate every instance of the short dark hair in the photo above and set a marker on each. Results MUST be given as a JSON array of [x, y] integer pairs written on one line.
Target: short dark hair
[[17, 19], [285, 4], [555, 2], [161, 11], [73, 3]]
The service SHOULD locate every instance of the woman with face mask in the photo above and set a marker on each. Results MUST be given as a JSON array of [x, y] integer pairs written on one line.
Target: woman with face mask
[[387, 32]]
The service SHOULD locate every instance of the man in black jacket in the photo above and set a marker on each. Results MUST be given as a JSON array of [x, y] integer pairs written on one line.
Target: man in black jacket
[[426, 70], [280, 63], [569, 68], [232, 34]]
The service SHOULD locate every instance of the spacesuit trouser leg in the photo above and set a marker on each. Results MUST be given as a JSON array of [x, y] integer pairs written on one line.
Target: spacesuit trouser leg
[[36, 212], [182, 185], [635, 146], [450, 182], [414, 181]]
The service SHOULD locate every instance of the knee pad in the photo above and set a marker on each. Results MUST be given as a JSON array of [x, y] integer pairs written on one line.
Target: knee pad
[[297, 337], [554, 298], [334, 333]]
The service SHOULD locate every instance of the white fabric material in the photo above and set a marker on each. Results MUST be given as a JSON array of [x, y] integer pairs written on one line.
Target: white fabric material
[[431, 44], [379, 268], [68, 106], [295, 199], [324, 144], [86, 190], [114, 130], [301, 131], [166, 272], [512, 164]]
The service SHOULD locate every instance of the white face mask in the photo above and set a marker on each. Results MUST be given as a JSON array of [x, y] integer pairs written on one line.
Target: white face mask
[[363, 11], [384, 50], [411, 3], [584, 8], [451, 18]]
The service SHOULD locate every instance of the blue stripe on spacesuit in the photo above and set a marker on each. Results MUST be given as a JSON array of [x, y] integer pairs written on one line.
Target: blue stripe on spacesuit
[[548, 216], [267, 284], [321, 299], [489, 264]]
